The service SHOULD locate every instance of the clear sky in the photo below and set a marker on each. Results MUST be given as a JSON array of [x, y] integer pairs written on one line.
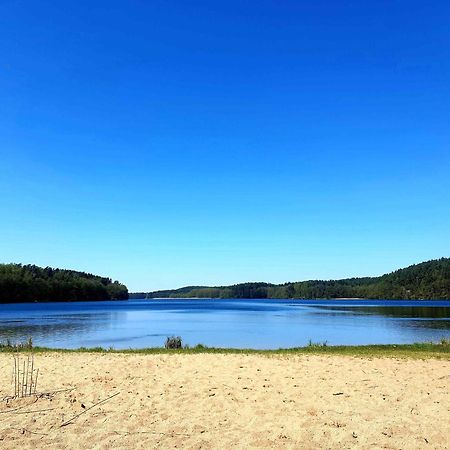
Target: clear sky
[[169, 143]]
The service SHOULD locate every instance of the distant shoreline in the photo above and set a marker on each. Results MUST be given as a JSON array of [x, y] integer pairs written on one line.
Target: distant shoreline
[[235, 298], [426, 280], [412, 300], [309, 300]]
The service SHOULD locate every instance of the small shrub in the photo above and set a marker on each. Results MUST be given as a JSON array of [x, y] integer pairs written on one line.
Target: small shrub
[[173, 342], [200, 347]]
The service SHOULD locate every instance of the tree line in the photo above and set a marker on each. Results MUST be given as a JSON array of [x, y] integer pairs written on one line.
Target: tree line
[[30, 283], [427, 280]]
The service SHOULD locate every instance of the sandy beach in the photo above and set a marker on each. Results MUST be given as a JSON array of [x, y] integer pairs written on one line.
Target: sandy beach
[[208, 401]]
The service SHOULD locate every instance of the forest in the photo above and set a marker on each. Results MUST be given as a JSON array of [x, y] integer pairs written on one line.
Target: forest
[[29, 283], [427, 280]]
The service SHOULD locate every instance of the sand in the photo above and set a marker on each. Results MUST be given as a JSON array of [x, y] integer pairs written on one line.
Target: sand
[[226, 401]]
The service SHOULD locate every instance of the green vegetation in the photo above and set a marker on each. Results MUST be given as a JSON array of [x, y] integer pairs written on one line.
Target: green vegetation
[[29, 283], [424, 350], [428, 280]]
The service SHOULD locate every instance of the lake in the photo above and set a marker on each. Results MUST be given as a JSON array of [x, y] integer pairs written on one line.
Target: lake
[[258, 324]]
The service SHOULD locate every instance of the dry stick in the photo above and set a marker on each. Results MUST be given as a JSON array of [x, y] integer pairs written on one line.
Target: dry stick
[[87, 409], [23, 377], [31, 379], [18, 376], [58, 390], [26, 376], [25, 386], [35, 381], [12, 374], [150, 432], [34, 411], [32, 375], [42, 394], [15, 376]]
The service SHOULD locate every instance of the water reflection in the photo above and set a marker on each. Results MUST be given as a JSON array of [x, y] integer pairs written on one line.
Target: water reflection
[[422, 312]]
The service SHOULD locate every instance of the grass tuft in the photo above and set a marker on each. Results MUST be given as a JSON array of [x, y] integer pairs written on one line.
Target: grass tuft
[[422, 350]]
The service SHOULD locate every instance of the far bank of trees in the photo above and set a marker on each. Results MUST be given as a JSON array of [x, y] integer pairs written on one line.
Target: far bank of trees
[[428, 280], [29, 283]]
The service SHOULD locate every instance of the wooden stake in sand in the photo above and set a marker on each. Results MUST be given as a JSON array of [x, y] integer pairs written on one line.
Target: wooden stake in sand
[[24, 377]]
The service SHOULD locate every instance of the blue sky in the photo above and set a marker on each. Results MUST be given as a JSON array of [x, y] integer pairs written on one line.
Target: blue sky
[[176, 143]]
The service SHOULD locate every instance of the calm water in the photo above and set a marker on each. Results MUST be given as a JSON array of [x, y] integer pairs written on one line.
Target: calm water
[[260, 324]]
